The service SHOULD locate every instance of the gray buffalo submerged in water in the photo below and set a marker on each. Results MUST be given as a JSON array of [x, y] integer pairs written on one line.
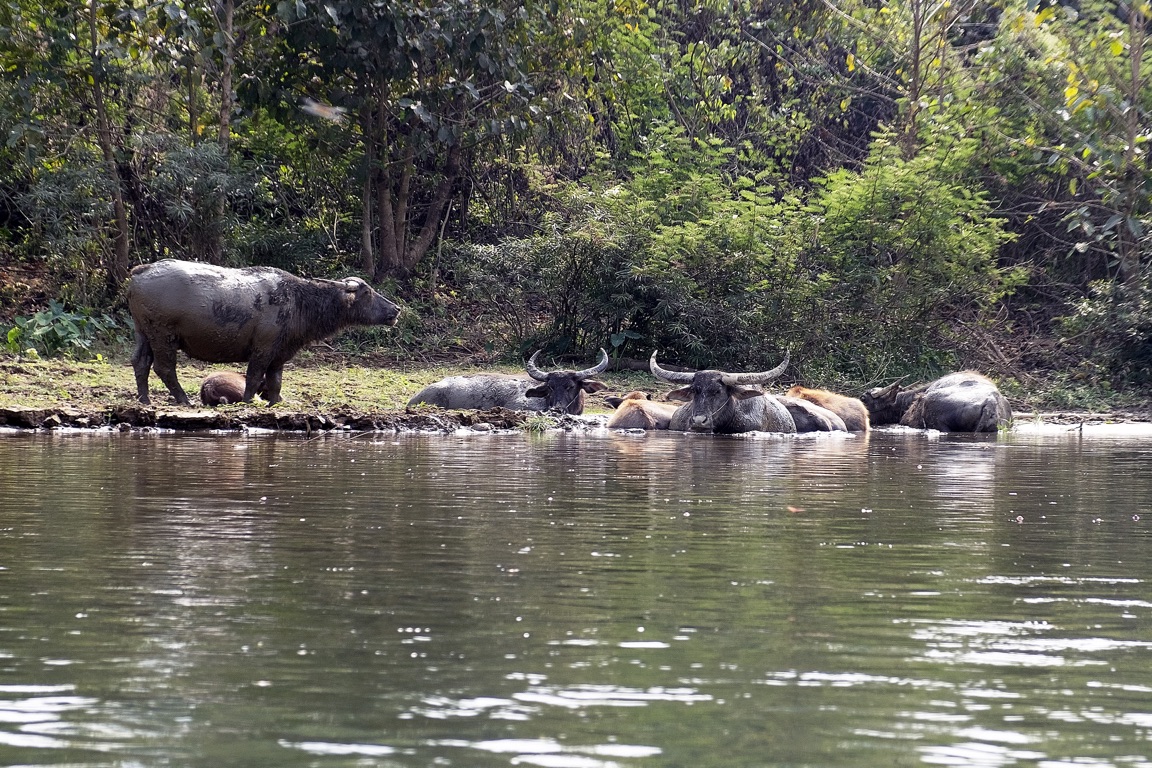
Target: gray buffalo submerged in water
[[810, 417], [959, 402], [715, 401], [259, 315], [538, 391], [850, 409]]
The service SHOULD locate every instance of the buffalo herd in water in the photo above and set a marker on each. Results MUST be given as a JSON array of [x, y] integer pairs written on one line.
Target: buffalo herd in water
[[263, 316], [727, 403]]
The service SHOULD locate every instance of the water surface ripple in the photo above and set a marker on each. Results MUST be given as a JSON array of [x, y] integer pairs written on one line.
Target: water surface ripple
[[576, 601]]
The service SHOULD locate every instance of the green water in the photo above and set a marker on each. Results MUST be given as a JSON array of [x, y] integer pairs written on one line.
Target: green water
[[576, 601]]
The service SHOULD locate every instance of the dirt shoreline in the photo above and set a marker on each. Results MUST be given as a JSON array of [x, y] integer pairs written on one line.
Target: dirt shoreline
[[244, 418], [240, 419], [331, 393]]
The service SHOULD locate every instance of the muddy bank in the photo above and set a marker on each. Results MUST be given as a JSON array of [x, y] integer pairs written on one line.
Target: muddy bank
[[239, 418], [198, 419]]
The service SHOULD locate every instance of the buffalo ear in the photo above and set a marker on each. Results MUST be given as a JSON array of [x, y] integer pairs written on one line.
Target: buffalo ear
[[591, 386], [541, 391], [744, 393], [614, 401], [684, 394], [351, 291]]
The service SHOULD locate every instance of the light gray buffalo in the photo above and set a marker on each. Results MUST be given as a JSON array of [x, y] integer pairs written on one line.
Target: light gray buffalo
[[259, 315], [538, 391], [850, 409], [810, 417], [715, 401], [959, 402], [637, 410]]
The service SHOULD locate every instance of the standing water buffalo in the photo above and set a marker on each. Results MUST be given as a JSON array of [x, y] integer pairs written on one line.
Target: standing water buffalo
[[259, 315], [958, 402], [540, 391], [637, 410], [716, 401], [850, 409]]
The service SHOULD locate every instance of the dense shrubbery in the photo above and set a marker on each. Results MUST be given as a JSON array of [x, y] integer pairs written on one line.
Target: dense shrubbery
[[863, 187], [1115, 321], [868, 274]]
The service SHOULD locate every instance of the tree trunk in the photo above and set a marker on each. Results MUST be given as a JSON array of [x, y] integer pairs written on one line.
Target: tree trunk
[[908, 139], [117, 268], [225, 18], [436, 208], [367, 252], [407, 166], [1133, 171], [394, 213]]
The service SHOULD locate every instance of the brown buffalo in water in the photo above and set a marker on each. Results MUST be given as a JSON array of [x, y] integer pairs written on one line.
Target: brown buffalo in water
[[637, 410], [959, 402], [721, 402], [539, 391], [259, 315], [850, 409]]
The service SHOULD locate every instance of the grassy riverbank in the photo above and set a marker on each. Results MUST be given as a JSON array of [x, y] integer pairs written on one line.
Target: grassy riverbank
[[311, 382], [323, 389], [320, 390]]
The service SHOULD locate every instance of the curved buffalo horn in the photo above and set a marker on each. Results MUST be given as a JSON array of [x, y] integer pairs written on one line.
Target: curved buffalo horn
[[540, 375], [756, 378], [676, 377], [891, 390], [600, 367], [533, 371]]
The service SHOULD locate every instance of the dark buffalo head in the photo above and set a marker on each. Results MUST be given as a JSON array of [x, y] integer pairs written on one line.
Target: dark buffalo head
[[887, 404], [634, 395], [565, 389], [365, 306], [715, 401]]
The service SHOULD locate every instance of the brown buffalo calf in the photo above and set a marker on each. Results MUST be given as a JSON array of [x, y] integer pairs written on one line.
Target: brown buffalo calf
[[222, 388], [637, 410]]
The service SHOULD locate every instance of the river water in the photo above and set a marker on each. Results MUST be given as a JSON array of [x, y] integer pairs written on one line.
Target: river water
[[576, 600]]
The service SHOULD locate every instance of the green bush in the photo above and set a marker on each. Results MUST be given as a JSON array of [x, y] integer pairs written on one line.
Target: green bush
[[568, 289], [56, 331], [904, 252], [1110, 332]]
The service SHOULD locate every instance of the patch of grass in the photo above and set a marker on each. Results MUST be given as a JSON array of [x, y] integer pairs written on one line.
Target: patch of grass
[[321, 381], [538, 422], [312, 381]]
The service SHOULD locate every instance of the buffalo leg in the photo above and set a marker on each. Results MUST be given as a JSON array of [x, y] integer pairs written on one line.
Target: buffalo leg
[[165, 367], [262, 379], [272, 381], [141, 361]]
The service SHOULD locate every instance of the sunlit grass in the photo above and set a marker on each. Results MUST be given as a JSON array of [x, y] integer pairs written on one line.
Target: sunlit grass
[[326, 381], [311, 382]]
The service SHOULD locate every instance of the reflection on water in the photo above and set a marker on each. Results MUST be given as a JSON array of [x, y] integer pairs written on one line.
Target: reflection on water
[[568, 600]]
